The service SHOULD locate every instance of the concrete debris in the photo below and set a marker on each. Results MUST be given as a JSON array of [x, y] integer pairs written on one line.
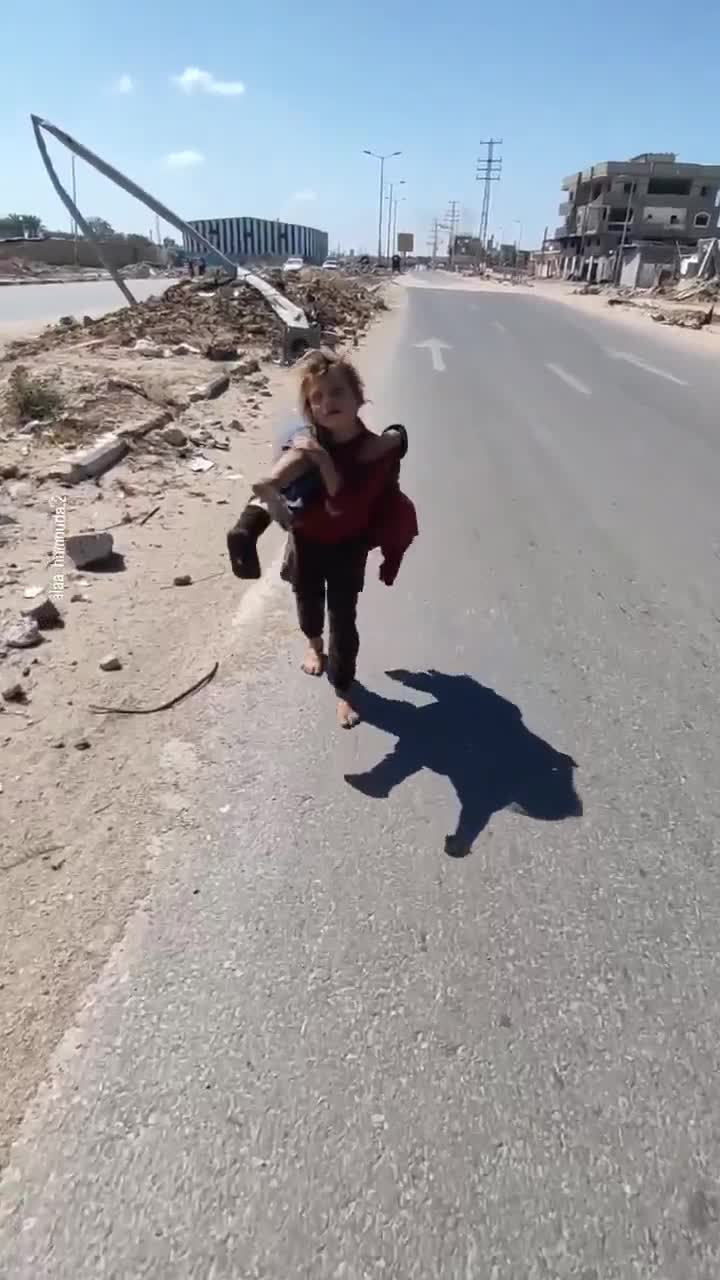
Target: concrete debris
[[94, 461], [45, 613], [82, 744], [9, 471], [245, 367], [32, 593], [110, 663], [85, 549], [14, 693], [222, 349], [235, 425], [200, 464], [153, 350], [6, 519], [684, 319], [210, 390], [23, 634], [182, 580], [234, 315], [174, 435], [185, 349]]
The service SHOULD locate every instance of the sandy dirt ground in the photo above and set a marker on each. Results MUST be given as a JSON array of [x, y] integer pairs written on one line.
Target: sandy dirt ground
[[83, 796]]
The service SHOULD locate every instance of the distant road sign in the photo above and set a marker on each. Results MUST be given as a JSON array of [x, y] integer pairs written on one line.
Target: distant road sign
[[405, 242]]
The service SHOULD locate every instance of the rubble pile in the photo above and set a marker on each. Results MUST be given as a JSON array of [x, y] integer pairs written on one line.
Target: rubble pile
[[210, 317], [343, 305]]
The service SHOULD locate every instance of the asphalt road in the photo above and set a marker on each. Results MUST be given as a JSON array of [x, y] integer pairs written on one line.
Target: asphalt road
[[25, 308], [327, 1049]]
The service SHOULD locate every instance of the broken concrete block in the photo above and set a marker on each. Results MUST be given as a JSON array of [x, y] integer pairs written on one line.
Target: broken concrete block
[[89, 548], [182, 580], [154, 423], [209, 390], [110, 663], [174, 435], [24, 634], [184, 349], [46, 613], [245, 367], [146, 347], [99, 458]]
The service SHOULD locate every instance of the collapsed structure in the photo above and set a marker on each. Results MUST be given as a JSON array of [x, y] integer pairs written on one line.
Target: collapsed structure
[[651, 208]]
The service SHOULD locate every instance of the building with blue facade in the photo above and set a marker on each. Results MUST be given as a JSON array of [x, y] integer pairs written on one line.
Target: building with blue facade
[[257, 239]]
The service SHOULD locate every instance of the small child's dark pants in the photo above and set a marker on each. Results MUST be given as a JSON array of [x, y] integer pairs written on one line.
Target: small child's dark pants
[[333, 573]]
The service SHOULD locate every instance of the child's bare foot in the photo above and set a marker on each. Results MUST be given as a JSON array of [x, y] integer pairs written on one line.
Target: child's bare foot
[[347, 716], [313, 664]]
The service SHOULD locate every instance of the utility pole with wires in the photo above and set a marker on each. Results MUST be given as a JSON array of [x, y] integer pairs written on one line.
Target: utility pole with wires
[[489, 168], [452, 217], [434, 238]]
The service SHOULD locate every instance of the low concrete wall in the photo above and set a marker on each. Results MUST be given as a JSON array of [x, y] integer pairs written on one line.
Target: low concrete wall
[[61, 253]]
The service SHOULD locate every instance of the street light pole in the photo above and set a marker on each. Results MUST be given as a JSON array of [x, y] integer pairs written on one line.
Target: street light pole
[[382, 158], [518, 243], [389, 221], [75, 233]]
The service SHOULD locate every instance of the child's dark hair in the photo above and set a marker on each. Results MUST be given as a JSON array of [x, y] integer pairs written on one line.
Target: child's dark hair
[[319, 363]]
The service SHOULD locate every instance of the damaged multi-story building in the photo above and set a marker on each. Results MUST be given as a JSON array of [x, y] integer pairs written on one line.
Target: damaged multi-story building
[[652, 201]]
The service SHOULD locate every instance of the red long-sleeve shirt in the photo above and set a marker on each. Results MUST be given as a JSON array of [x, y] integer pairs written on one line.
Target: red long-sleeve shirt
[[369, 502]]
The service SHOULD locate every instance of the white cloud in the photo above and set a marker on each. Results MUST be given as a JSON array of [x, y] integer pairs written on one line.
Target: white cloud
[[194, 80], [124, 84], [184, 159], [304, 196]]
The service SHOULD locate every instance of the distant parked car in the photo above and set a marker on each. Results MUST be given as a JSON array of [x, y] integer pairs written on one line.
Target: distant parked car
[[331, 264], [293, 264]]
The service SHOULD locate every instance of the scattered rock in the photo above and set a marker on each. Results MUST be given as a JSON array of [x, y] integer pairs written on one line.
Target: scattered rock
[[79, 597], [146, 347], [235, 425], [21, 491], [221, 349], [68, 322], [210, 390], [23, 634], [182, 580], [82, 744], [110, 663], [200, 464], [155, 422], [86, 549], [45, 613], [245, 367], [184, 349], [32, 593], [6, 519], [57, 743], [9, 471], [14, 693], [174, 435]]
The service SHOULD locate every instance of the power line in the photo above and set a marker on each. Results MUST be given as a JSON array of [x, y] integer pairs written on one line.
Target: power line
[[489, 168], [434, 237], [452, 217]]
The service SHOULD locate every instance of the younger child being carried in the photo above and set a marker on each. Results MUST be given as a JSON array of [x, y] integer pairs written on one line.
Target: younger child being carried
[[305, 474]]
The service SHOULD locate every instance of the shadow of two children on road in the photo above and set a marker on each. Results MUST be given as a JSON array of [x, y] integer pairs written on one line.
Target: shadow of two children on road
[[477, 739]]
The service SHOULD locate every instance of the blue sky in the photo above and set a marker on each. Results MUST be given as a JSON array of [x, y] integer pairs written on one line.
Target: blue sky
[[564, 87]]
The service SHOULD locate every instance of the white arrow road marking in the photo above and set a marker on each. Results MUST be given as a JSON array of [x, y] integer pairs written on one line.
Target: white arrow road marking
[[568, 378], [435, 346], [649, 368]]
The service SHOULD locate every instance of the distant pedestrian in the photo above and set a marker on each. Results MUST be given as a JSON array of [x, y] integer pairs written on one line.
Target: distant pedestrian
[[191, 268], [201, 267]]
